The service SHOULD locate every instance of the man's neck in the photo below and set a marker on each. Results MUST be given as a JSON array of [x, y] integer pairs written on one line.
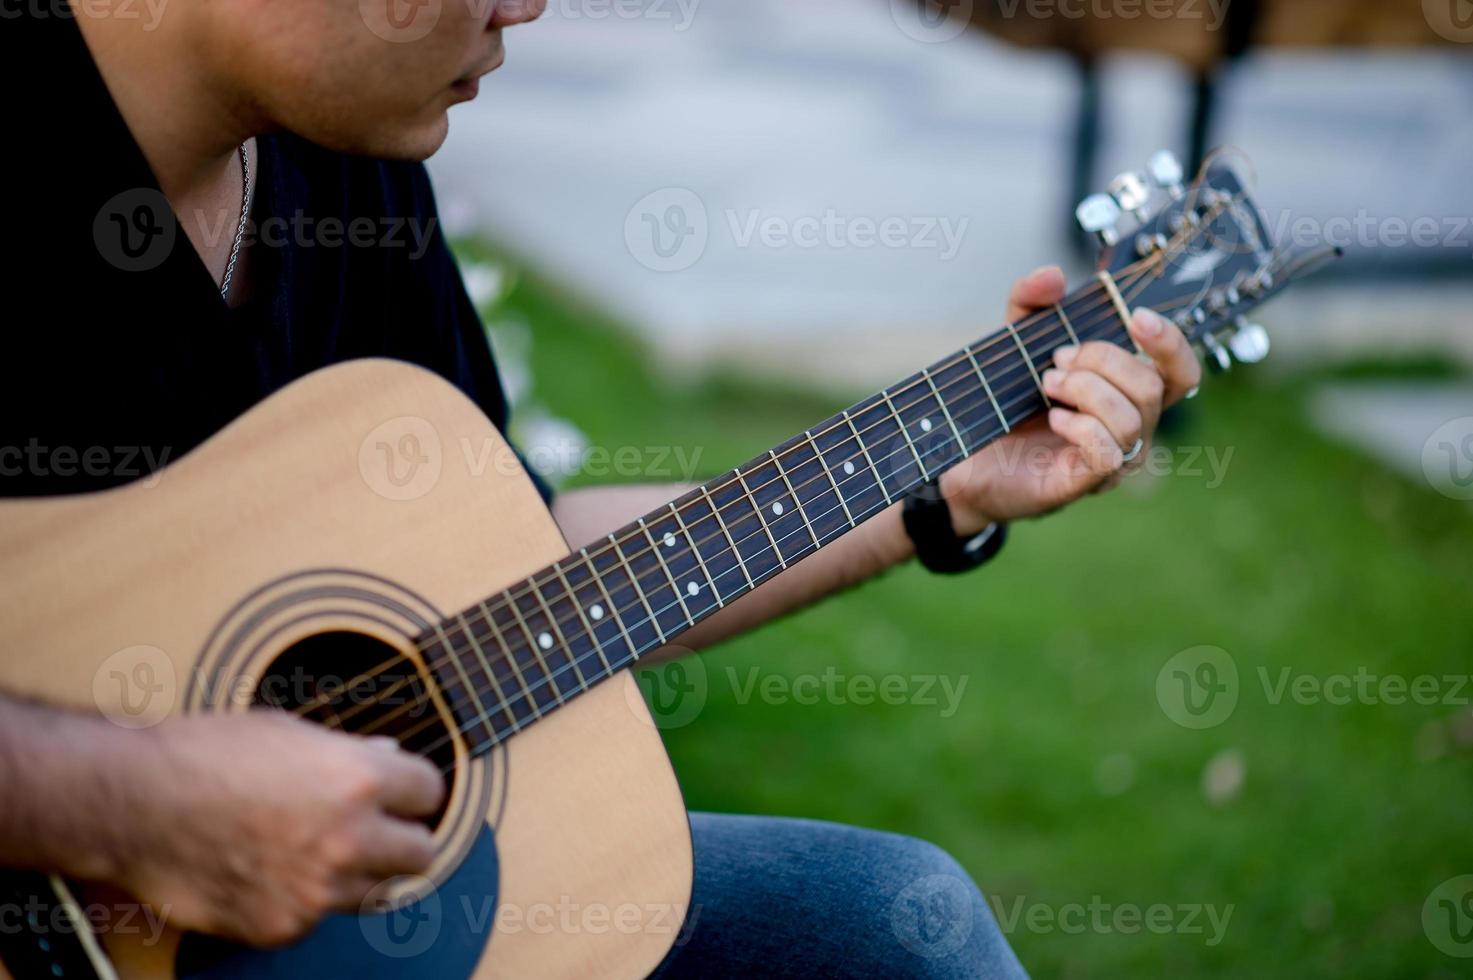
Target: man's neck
[[187, 122], [187, 125]]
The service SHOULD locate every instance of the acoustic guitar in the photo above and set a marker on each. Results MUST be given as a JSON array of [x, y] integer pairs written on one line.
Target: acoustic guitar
[[362, 549]]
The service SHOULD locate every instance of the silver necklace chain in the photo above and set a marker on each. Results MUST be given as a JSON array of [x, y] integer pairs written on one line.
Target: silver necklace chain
[[245, 209]]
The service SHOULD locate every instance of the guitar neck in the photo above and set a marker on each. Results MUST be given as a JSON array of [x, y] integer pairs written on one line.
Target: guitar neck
[[522, 653]]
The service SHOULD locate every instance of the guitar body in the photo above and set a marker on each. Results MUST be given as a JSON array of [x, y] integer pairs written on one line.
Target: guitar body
[[322, 532]]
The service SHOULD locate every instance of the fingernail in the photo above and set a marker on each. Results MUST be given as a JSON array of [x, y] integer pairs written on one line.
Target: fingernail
[[1150, 323], [1064, 356], [1051, 378]]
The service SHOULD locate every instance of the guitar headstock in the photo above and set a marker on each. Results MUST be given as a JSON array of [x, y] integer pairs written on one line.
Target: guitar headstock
[[1201, 254]]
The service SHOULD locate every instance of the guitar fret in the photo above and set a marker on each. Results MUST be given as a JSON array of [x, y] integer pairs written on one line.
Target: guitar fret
[[859, 485], [716, 514], [1029, 362], [553, 652], [818, 503], [756, 509], [582, 645], [634, 584], [695, 551], [557, 631], [486, 669], [796, 502], [961, 443], [1001, 416], [739, 514], [1121, 308], [534, 707], [465, 678], [869, 462], [614, 610], [835, 483], [674, 586], [1064, 319], [532, 647], [959, 390], [906, 436], [577, 604]]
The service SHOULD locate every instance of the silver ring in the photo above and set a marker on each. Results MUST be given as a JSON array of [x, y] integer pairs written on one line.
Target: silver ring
[[1135, 451]]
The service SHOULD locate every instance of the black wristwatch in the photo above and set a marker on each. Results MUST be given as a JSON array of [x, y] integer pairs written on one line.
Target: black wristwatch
[[928, 522]]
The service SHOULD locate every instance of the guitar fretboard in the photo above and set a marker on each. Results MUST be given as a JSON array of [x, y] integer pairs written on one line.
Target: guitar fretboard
[[513, 658]]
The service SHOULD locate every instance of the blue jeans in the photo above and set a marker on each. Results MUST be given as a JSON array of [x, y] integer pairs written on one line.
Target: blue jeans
[[776, 897]]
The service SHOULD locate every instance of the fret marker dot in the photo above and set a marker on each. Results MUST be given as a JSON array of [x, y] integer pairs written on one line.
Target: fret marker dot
[[544, 640], [669, 540], [596, 611], [925, 425], [692, 589], [777, 508], [848, 469]]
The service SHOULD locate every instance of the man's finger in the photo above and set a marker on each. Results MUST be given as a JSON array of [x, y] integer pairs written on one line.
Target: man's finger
[[352, 893], [1091, 394], [1101, 452], [1042, 287], [396, 847], [410, 786], [1137, 380], [1168, 347]]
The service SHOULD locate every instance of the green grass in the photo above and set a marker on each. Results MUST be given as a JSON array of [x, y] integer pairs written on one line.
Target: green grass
[[1306, 556]]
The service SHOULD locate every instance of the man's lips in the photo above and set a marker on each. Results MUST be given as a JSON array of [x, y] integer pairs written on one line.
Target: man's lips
[[470, 83]]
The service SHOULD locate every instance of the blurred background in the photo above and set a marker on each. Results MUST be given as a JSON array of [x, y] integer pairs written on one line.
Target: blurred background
[[1237, 690]]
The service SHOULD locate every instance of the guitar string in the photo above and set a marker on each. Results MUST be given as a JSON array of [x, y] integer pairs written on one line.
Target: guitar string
[[573, 658], [645, 548], [636, 579], [1002, 339], [1142, 266], [577, 632], [524, 588], [1136, 269], [483, 716], [551, 675]]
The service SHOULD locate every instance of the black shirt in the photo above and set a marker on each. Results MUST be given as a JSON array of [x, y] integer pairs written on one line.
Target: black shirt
[[123, 355]]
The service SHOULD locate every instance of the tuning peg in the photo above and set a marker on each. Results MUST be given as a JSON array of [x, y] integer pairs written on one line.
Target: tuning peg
[[1098, 214], [1218, 359], [1250, 344], [1131, 192], [1166, 173]]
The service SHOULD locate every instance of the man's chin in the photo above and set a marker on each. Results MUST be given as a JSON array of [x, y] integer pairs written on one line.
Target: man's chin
[[411, 143]]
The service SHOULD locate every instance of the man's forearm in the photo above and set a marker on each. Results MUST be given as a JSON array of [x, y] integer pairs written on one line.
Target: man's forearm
[[60, 775], [587, 515]]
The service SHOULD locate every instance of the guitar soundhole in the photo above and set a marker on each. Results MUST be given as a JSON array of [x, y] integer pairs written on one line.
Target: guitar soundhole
[[358, 684]]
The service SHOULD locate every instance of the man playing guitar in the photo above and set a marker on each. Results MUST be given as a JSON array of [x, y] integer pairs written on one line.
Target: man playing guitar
[[323, 108]]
